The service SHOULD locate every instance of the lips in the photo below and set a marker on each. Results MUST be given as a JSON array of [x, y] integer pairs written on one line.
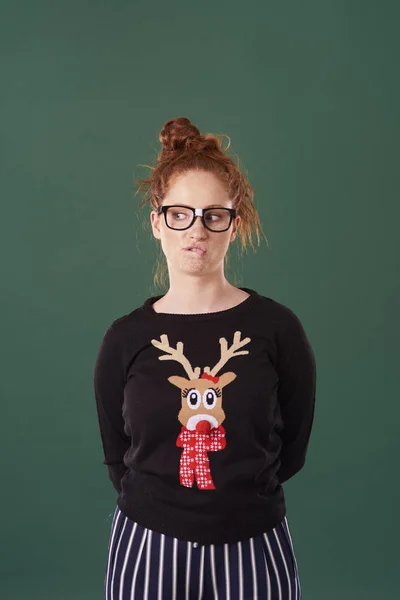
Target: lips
[[196, 250]]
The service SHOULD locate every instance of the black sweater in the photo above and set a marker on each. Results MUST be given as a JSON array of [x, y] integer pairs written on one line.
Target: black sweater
[[203, 416]]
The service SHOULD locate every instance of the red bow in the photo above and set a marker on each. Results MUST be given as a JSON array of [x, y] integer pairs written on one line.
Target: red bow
[[210, 377]]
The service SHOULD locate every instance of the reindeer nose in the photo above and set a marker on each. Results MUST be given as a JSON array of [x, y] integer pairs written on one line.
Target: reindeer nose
[[203, 426]]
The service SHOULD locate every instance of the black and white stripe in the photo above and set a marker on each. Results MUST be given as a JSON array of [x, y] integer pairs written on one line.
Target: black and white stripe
[[145, 565]]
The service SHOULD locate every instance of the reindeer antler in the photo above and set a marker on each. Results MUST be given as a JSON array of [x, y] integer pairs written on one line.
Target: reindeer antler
[[227, 353], [176, 354]]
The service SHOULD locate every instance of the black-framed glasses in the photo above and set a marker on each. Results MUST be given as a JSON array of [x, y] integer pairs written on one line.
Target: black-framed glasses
[[182, 217]]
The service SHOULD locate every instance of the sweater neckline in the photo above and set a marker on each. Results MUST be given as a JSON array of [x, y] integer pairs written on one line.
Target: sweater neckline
[[206, 316]]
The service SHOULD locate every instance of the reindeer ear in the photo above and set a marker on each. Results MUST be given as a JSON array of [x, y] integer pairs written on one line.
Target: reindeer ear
[[180, 382], [226, 378]]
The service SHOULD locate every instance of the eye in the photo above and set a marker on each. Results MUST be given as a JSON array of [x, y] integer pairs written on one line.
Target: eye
[[209, 398], [210, 215], [193, 399], [179, 214]]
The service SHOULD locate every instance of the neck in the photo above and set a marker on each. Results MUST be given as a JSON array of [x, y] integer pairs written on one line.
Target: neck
[[198, 294]]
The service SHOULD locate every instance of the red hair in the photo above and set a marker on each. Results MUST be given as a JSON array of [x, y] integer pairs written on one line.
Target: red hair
[[185, 149]]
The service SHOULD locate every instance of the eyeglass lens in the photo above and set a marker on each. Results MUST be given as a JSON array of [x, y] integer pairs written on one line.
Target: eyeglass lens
[[216, 219]]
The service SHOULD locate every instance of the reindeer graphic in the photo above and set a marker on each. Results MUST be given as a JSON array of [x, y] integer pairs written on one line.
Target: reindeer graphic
[[201, 413]]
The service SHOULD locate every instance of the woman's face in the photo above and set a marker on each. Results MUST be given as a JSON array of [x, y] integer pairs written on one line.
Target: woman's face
[[196, 189]]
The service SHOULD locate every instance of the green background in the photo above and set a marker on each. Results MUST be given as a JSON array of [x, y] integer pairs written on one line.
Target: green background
[[309, 94]]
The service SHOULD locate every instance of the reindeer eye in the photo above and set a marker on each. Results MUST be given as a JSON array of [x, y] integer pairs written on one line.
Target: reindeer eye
[[193, 399], [210, 398]]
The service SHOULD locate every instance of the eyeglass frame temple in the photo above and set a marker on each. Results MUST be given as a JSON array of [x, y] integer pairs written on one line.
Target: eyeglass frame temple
[[197, 212]]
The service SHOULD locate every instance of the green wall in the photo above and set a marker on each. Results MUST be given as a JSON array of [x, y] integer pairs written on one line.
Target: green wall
[[309, 94]]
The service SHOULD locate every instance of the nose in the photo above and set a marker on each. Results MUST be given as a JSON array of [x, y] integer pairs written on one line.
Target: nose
[[198, 225], [203, 427]]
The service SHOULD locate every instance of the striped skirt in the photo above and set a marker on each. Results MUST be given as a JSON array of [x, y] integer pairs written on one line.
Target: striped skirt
[[145, 565]]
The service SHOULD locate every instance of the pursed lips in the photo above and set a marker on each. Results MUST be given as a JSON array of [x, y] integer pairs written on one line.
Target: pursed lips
[[198, 251]]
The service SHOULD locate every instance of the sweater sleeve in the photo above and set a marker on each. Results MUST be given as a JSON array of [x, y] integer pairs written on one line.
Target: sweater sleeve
[[296, 370], [109, 382]]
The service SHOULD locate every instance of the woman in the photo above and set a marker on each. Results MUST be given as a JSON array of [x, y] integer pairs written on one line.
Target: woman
[[205, 398]]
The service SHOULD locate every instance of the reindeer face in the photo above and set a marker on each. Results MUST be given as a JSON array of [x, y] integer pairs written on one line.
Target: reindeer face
[[201, 400], [201, 395]]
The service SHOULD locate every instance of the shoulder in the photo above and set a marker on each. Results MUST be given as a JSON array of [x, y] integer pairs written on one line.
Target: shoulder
[[288, 329], [122, 327], [280, 314]]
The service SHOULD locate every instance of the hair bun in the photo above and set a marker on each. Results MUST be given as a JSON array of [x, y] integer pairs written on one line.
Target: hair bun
[[178, 134]]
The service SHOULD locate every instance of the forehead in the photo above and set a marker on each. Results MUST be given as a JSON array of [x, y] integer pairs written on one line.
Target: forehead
[[201, 384], [198, 187]]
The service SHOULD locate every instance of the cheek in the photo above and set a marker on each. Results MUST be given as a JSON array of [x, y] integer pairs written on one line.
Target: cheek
[[170, 241], [222, 244]]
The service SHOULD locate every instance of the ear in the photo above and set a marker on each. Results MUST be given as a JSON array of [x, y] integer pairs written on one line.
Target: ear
[[226, 378], [236, 223], [155, 224], [180, 382]]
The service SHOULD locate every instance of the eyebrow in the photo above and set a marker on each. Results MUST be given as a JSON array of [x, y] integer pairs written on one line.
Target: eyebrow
[[208, 206]]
